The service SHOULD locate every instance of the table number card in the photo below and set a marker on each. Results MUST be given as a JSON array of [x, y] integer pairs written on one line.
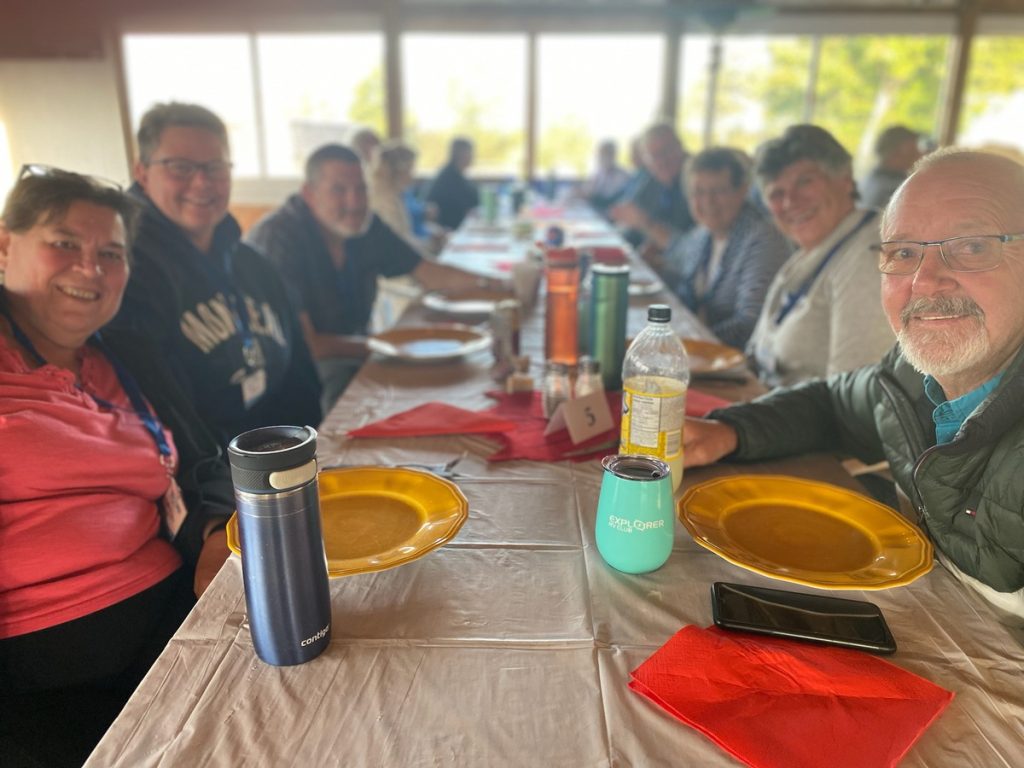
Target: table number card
[[585, 417]]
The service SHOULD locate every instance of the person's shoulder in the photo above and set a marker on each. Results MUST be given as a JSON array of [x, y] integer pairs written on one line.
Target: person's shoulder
[[285, 219]]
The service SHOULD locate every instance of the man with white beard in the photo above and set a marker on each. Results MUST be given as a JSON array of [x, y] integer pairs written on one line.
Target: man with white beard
[[946, 405], [330, 248]]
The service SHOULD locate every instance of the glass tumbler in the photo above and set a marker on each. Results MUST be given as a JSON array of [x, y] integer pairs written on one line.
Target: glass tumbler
[[635, 513]]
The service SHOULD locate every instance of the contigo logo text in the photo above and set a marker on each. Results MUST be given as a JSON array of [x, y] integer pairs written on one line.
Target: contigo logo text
[[318, 636]]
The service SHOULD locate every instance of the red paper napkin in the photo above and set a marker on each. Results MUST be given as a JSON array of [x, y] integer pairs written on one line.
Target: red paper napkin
[[528, 440], [435, 419], [775, 703]]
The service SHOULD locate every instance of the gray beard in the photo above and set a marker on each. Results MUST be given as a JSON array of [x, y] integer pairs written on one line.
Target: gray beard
[[943, 352]]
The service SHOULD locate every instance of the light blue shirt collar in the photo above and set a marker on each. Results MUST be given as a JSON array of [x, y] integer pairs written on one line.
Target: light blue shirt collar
[[949, 415]]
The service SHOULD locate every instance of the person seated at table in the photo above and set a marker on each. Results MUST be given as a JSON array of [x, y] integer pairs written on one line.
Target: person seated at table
[[391, 195], [330, 249], [896, 150], [721, 270], [820, 315], [364, 140], [105, 513], [216, 307], [945, 406], [657, 211], [603, 189], [453, 193]]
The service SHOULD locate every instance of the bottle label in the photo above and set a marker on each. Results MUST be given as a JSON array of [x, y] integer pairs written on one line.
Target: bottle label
[[652, 422]]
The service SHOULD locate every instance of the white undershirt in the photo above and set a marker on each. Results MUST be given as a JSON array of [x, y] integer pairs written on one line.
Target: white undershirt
[[705, 278]]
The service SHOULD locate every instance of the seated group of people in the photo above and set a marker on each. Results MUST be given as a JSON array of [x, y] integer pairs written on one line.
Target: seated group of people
[[139, 333]]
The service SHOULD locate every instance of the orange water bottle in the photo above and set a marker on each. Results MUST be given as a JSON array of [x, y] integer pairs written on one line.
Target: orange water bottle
[[561, 329]]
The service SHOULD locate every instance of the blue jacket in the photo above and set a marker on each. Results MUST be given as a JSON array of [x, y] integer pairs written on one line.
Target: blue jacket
[[732, 303]]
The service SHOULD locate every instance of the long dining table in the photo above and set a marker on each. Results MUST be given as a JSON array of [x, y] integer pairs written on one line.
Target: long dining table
[[512, 645]]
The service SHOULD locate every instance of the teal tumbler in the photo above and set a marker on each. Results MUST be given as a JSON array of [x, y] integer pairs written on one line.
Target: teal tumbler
[[635, 522]]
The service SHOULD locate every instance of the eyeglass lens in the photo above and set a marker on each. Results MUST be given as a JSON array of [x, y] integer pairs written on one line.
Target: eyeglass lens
[[961, 254], [185, 169]]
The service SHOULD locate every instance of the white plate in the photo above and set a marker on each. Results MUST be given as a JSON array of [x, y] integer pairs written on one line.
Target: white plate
[[645, 286], [429, 343], [469, 303]]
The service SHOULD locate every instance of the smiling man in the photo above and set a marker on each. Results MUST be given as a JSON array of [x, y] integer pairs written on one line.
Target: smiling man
[[215, 306], [946, 406], [330, 249], [821, 314]]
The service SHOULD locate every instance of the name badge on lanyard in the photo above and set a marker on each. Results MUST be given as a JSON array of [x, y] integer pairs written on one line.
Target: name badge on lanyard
[[254, 384]]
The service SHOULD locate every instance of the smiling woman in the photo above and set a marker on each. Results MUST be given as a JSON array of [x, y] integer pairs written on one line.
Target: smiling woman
[[80, 624]]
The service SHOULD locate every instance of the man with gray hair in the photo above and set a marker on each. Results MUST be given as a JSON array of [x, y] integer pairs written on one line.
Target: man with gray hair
[[896, 150], [945, 407], [216, 307], [820, 315], [330, 248], [721, 270], [658, 209]]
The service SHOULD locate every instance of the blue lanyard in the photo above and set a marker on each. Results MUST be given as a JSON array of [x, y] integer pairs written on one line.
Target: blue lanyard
[[127, 381], [794, 297], [221, 278]]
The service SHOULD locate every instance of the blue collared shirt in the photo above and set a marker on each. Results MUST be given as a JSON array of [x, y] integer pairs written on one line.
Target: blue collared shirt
[[949, 415]]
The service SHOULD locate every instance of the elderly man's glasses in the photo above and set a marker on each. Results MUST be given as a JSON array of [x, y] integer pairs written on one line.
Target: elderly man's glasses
[[974, 253], [183, 169], [50, 171]]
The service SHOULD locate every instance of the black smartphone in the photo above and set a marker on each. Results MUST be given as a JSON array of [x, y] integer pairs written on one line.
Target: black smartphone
[[801, 616]]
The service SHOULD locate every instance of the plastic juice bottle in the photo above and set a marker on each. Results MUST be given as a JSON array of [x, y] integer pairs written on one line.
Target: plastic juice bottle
[[655, 376]]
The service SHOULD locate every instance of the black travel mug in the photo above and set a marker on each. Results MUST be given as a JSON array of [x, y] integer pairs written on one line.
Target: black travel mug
[[283, 562]]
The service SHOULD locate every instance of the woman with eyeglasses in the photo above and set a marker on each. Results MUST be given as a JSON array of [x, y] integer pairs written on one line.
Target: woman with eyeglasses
[[111, 490], [821, 314]]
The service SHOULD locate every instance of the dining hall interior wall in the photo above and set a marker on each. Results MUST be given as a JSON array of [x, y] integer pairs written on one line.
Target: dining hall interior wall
[[61, 112], [61, 86]]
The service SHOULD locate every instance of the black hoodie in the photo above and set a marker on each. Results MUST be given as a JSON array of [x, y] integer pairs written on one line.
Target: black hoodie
[[180, 298]]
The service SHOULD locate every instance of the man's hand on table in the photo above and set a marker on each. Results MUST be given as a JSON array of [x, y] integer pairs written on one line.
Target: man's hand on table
[[215, 551], [705, 441]]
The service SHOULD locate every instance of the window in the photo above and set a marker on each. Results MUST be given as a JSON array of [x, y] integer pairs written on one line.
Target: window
[[868, 83], [993, 108], [762, 88], [468, 85], [212, 70], [693, 85], [592, 88], [314, 88]]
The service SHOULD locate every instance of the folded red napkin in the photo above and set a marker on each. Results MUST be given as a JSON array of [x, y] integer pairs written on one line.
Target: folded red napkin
[[775, 703], [528, 440], [435, 419]]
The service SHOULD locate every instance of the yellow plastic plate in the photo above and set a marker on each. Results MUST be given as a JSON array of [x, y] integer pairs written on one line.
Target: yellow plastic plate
[[429, 343], [376, 518], [805, 532], [707, 356]]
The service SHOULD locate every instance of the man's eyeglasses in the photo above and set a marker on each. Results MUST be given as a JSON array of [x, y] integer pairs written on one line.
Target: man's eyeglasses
[[183, 169], [973, 253], [52, 172]]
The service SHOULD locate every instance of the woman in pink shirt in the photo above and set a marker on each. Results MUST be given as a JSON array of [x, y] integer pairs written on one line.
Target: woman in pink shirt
[[99, 543]]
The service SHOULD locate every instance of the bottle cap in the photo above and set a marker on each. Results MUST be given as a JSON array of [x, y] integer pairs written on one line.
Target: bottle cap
[[659, 313], [273, 459]]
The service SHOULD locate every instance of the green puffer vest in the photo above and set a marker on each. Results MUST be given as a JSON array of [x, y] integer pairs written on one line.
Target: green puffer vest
[[969, 493]]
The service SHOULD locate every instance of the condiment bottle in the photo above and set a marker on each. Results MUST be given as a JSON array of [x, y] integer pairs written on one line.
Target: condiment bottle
[[655, 377]]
